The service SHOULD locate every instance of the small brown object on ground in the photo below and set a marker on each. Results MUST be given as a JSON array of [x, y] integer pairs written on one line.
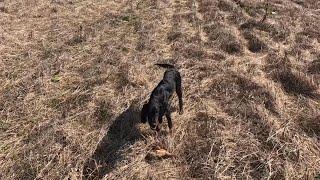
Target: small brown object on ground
[[158, 155]]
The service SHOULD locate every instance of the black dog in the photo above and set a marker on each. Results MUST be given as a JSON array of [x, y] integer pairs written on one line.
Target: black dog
[[159, 102]]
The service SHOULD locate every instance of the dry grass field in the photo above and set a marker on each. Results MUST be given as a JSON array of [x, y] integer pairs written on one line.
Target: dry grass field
[[74, 75]]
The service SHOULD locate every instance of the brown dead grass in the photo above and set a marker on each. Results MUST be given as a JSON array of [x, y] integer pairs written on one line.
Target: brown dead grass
[[314, 67], [223, 38], [74, 75], [296, 83]]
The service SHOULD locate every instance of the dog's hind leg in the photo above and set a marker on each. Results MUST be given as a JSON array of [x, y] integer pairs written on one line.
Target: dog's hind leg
[[179, 92]]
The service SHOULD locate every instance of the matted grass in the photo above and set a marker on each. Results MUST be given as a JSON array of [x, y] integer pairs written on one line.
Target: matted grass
[[74, 75]]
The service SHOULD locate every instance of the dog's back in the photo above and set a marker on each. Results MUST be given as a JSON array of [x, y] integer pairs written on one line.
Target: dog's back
[[158, 104], [171, 82], [166, 86], [172, 75]]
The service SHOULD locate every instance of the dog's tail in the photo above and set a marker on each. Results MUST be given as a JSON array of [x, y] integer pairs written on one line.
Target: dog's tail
[[165, 65]]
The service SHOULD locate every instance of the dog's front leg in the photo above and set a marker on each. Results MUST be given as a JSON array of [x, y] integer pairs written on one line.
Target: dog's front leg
[[168, 116], [160, 120]]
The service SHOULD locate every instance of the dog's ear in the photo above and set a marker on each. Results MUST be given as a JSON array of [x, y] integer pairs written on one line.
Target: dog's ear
[[144, 113]]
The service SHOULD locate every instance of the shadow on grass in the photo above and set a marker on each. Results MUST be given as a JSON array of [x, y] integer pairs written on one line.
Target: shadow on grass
[[122, 132]]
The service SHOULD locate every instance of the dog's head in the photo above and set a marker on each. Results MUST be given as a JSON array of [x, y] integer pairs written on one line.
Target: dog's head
[[150, 114]]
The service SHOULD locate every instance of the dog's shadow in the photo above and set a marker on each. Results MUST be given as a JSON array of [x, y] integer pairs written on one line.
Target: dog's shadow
[[122, 132]]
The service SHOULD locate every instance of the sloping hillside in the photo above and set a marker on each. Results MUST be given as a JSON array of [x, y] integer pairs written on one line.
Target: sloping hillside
[[74, 75]]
